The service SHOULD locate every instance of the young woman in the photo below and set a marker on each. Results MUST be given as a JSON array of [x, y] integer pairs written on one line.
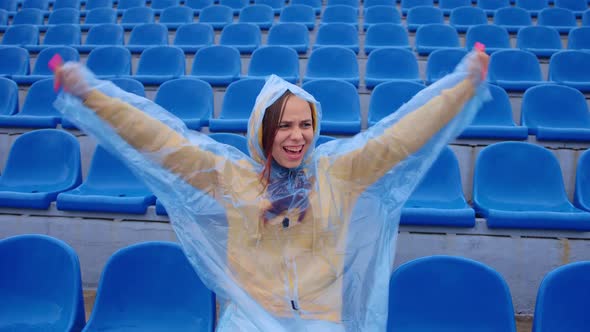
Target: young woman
[[292, 237]]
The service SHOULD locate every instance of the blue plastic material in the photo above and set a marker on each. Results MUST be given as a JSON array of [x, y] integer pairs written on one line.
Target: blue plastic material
[[381, 14], [350, 3], [109, 187], [8, 97], [32, 16], [494, 37], [382, 35], [194, 36], [582, 192], [246, 37], [37, 111], [152, 70], [3, 19], [442, 62], [562, 299], [217, 15], [261, 15], [519, 185], [15, 61], [391, 64], [303, 14], [38, 4], [556, 113], [435, 36], [407, 5], [447, 6], [586, 18], [137, 16], [332, 62], [60, 35], [110, 61], [578, 7], [533, 7], [60, 4], [370, 3], [63, 16], [40, 285], [494, 120], [336, 96], [515, 70], [130, 85], [235, 5], [40, 165], [23, 35], [146, 35], [315, 4], [189, 99], [578, 39], [293, 35], [237, 141], [238, 100], [338, 34], [123, 5], [95, 4], [151, 287], [9, 5], [275, 5], [571, 68], [563, 20], [218, 65], [176, 16], [462, 18], [279, 60], [323, 139], [99, 16], [543, 41], [423, 15], [512, 18], [491, 6], [160, 5], [390, 96], [107, 34], [435, 293], [340, 14]]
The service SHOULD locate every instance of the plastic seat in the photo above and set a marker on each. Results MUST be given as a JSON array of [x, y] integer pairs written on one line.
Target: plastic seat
[[109, 61], [340, 14], [60, 35], [129, 85], [238, 102], [586, 18], [332, 62], [60, 4], [107, 34], [582, 190], [543, 41], [494, 37], [447, 6], [436, 292], [135, 16], [571, 68], [198, 5], [40, 165], [391, 64], [32, 16], [261, 15], [62, 16], [41, 70], [8, 97], [3, 19], [532, 6], [194, 36], [189, 99], [578, 7], [160, 5], [388, 97], [431, 37], [494, 119], [176, 16], [406, 5], [381, 14], [237, 141], [147, 35], [556, 112], [37, 110], [109, 187], [245, 37], [160, 209], [152, 70], [578, 39], [442, 62], [323, 139], [15, 61], [24, 35], [279, 60], [123, 5], [514, 70], [303, 14], [315, 4], [95, 4], [99, 16], [462, 18], [563, 20], [338, 34], [386, 35], [218, 16], [340, 102], [154, 288], [9, 5], [350, 3], [512, 18], [37, 4], [235, 5], [423, 15], [218, 65], [519, 185], [370, 3], [293, 35], [275, 5], [491, 6], [44, 290]]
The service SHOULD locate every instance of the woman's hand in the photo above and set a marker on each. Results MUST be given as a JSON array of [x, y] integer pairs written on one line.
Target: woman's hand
[[71, 77], [478, 64]]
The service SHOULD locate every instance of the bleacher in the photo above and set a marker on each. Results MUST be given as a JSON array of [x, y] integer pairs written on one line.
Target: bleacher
[[511, 192]]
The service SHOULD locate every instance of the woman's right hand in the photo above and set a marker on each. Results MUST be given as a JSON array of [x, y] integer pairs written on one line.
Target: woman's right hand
[[71, 77]]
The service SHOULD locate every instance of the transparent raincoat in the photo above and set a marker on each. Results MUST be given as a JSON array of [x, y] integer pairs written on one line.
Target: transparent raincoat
[[313, 250]]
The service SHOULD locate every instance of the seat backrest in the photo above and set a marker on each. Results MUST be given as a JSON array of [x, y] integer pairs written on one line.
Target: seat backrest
[[149, 34], [240, 97], [130, 85], [240, 33], [448, 5], [257, 14], [101, 15], [59, 4], [514, 65], [557, 17], [198, 4], [407, 4], [538, 37], [332, 61], [335, 96], [337, 34], [288, 34], [8, 96], [216, 59], [493, 4], [138, 15], [571, 65], [109, 60], [442, 62], [297, 13], [39, 99], [177, 14], [279, 60], [66, 52], [437, 34], [351, 3], [186, 98], [573, 5], [382, 14], [393, 63], [63, 34], [94, 4], [532, 5], [468, 16], [582, 190], [496, 111], [578, 39], [388, 97], [387, 34], [424, 15], [64, 16], [237, 141], [38, 4], [492, 36], [32, 16], [150, 61], [3, 16], [586, 18], [105, 34], [340, 14], [15, 61], [216, 13], [235, 4], [128, 4], [194, 34], [163, 4], [512, 16], [275, 5], [9, 5], [108, 173]]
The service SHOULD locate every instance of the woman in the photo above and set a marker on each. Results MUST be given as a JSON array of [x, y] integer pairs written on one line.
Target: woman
[[292, 238]]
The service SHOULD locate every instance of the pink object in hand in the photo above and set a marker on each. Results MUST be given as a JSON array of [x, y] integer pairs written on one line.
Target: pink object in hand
[[55, 62]]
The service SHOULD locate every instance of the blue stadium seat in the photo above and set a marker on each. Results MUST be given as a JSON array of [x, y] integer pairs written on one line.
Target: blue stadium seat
[[37, 110], [303, 14], [491, 6], [279, 60], [260, 15], [562, 299], [135, 16], [8, 96], [40, 165], [217, 15], [293, 35], [578, 39], [323, 139], [62, 16], [563, 20], [175, 16], [386, 35], [9, 5], [370, 3], [109, 61], [245, 37], [350, 3], [154, 288], [60, 4], [533, 7], [95, 4], [194, 36], [340, 102], [315, 4], [332, 62], [15, 61], [238, 102], [237, 141], [59, 35], [442, 62], [32, 16], [494, 37], [434, 36], [388, 97], [129, 85], [41, 70], [37, 4], [391, 64], [340, 14], [123, 5], [571, 68], [437, 291], [423, 15], [438, 200], [406, 5], [447, 6], [106, 34], [515, 70], [235, 5], [543, 41], [275, 5], [147, 35], [381, 14], [582, 191], [462, 18], [578, 7], [338, 34], [190, 99], [44, 289], [512, 18], [494, 120], [109, 187], [556, 113], [586, 18], [519, 185], [160, 209], [159, 5], [152, 70], [197, 5], [99, 16], [218, 65], [3, 19]]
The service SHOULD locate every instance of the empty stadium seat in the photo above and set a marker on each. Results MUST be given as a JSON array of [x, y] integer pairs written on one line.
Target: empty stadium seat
[[218, 65], [388, 97], [582, 189], [238, 102], [153, 287], [435, 292], [237, 141], [41, 70], [350, 3], [332, 62], [542, 41], [95, 4], [340, 106], [152, 70], [24, 35], [293, 35], [422, 15], [62, 16], [563, 20], [434, 36], [42, 287], [340, 14], [217, 15], [123, 5], [38, 4], [275, 5], [571, 68], [8, 97], [37, 110], [194, 36], [260, 15], [519, 185], [514, 70], [3, 19], [438, 199], [323, 139], [147, 35], [109, 187], [442, 62], [9, 5], [59, 4], [40, 165], [15, 61], [99, 16], [235, 5], [578, 7], [245, 37], [109, 61], [159, 5], [562, 299], [338, 34], [137, 16], [586, 18], [279, 60], [391, 64], [491, 6], [447, 6], [175, 16], [370, 3], [462, 18], [190, 99], [384, 35], [197, 5], [315, 4], [106, 34], [406, 5], [129, 85], [556, 113], [60, 35], [303, 14], [32, 16], [494, 37], [512, 18], [532, 6], [380, 14], [578, 39]]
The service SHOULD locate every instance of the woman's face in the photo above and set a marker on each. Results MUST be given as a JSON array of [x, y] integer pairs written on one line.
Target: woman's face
[[294, 134]]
